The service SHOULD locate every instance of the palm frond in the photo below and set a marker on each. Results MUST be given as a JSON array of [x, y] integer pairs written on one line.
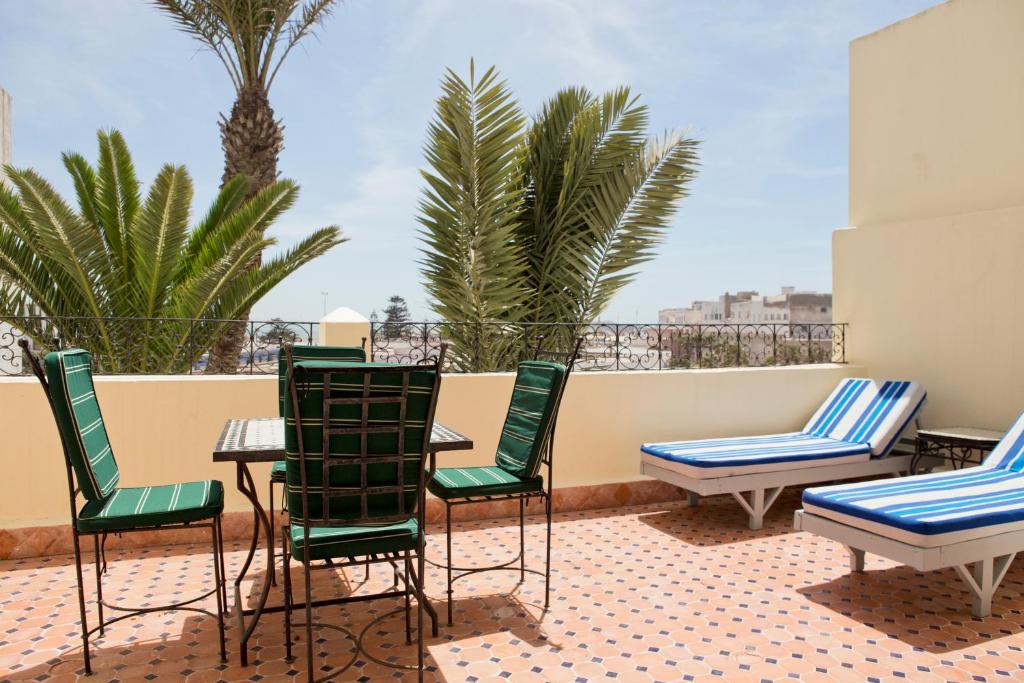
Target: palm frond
[[158, 235], [631, 215], [245, 36], [592, 199], [117, 192], [61, 264], [470, 206], [72, 249]]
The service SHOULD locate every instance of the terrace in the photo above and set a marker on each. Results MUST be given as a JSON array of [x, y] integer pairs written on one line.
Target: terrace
[[643, 586]]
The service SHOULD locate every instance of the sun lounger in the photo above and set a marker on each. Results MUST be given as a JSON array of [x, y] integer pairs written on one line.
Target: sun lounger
[[850, 436], [970, 519]]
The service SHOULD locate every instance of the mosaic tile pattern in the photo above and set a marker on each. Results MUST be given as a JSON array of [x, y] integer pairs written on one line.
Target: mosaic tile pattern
[[646, 593]]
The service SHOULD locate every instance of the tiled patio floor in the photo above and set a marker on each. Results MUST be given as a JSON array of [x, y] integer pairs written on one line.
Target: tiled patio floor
[[662, 593]]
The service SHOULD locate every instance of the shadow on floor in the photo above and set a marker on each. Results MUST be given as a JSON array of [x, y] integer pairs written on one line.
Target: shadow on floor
[[929, 610], [720, 520]]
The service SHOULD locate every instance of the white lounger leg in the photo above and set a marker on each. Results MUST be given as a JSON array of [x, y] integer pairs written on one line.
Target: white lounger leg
[[760, 501], [856, 559], [984, 580], [693, 498]]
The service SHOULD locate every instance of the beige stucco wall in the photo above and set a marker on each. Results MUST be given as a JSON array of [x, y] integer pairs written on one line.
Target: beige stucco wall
[[936, 111], [931, 277], [938, 300], [163, 428]]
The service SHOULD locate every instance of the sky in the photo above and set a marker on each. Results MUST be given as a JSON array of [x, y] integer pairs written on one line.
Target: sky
[[763, 84]]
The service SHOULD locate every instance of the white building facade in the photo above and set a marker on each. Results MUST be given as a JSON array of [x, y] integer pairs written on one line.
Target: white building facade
[[789, 306]]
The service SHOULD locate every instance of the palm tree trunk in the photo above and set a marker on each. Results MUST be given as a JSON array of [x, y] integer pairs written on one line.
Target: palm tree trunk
[[252, 140]]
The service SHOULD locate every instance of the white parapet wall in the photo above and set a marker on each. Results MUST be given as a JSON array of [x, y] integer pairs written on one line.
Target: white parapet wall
[[163, 429]]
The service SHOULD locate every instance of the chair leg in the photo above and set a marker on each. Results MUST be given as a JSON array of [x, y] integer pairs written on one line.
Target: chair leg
[[81, 602], [448, 540], [219, 585], [408, 610], [270, 540], [223, 572], [286, 570], [522, 540], [99, 582], [420, 601], [306, 570], [547, 561]]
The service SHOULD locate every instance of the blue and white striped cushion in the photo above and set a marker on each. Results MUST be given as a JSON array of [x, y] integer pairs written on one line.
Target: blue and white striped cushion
[[868, 411], [930, 505], [926, 505], [1009, 453], [862, 416], [754, 450]]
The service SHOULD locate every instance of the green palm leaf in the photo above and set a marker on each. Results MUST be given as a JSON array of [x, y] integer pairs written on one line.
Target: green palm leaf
[[470, 205], [105, 272], [588, 201]]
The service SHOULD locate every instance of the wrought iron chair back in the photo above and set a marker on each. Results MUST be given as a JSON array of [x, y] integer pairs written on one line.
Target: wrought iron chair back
[[356, 437], [353, 354], [568, 359], [37, 370]]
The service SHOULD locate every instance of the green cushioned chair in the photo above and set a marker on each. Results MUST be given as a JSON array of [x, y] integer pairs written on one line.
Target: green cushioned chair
[[526, 443], [356, 442], [92, 471], [301, 353]]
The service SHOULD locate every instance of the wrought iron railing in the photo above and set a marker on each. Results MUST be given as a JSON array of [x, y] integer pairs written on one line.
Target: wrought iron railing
[[614, 346], [151, 345], [182, 346]]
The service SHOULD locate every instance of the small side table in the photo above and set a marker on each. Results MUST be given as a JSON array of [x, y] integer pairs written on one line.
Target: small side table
[[956, 445]]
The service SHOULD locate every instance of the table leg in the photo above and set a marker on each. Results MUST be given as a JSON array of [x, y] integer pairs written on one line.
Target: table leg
[[245, 485]]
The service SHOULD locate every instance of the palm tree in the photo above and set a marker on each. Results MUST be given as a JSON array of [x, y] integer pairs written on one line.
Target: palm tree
[[538, 225], [123, 275], [251, 39]]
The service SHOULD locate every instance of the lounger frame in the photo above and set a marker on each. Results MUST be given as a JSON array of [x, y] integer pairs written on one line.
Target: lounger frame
[[757, 492], [980, 562]]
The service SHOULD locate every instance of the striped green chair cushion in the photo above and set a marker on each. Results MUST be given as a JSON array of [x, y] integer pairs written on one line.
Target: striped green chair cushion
[[534, 400], [69, 374], [463, 482], [277, 472], [346, 504], [300, 353], [355, 541], [146, 506], [352, 354]]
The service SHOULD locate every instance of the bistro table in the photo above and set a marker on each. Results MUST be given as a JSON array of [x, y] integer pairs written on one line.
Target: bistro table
[[955, 445], [254, 440]]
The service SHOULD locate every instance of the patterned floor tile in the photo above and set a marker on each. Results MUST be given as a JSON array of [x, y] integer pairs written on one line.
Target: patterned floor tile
[[650, 593]]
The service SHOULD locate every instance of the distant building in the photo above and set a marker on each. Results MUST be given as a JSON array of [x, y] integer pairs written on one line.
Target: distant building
[[749, 307]]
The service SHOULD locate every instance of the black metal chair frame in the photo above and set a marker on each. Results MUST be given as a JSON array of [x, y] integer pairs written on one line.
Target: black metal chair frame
[[545, 494], [412, 578], [99, 549], [284, 501]]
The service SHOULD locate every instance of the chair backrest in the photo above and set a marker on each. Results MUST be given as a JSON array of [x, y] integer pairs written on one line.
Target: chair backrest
[[355, 354], [80, 422], [532, 413], [1009, 452], [868, 411], [359, 457]]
